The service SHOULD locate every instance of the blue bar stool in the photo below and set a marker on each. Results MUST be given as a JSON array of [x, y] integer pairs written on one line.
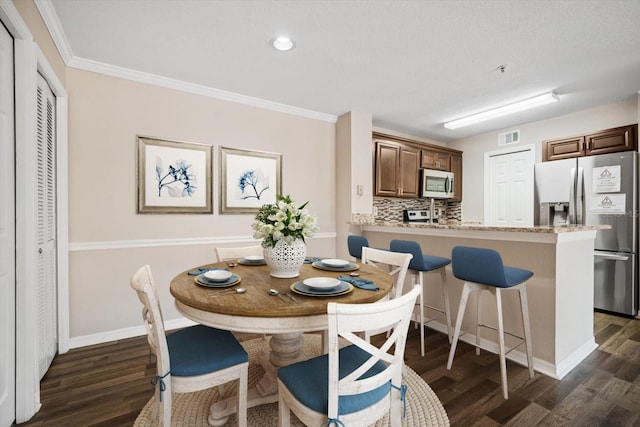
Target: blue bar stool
[[355, 245], [482, 270], [419, 264]]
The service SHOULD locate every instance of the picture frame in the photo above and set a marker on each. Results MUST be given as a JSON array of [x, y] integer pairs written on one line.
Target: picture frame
[[248, 179], [174, 176]]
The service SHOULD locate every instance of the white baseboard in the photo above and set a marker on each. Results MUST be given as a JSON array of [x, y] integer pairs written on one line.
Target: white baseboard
[[119, 334], [556, 371]]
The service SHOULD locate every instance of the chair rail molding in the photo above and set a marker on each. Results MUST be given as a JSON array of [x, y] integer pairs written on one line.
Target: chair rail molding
[[158, 243]]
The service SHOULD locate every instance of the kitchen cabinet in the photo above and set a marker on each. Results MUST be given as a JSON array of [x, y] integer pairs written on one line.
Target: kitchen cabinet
[[613, 140], [397, 170], [456, 169], [398, 160], [431, 159]]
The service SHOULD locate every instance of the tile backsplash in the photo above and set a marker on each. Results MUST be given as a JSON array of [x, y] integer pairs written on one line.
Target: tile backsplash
[[391, 209]]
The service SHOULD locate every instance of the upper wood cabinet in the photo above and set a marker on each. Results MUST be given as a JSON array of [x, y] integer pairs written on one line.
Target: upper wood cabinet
[[456, 168], [397, 164], [612, 140], [624, 138], [397, 170], [431, 159]]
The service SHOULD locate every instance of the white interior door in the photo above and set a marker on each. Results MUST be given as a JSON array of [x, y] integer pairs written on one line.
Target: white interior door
[[509, 201], [7, 234], [46, 227]]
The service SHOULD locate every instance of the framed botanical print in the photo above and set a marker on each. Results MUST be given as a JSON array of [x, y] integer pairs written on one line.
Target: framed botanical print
[[248, 180], [174, 176]]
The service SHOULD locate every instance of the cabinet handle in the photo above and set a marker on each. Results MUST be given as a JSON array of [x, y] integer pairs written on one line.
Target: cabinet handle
[[400, 191]]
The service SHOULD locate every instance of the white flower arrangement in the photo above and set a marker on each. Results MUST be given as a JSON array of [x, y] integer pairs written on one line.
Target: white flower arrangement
[[283, 221]]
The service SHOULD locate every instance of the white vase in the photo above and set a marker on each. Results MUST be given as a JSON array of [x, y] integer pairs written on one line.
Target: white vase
[[285, 259]]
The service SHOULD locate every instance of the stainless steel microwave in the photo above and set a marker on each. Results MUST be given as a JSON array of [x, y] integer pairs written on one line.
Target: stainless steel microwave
[[437, 184]]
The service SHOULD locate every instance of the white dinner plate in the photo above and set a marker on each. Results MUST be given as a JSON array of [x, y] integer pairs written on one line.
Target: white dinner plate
[[342, 289], [254, 258], [321, 282], [217, 275], [332, 262], [233, 280]]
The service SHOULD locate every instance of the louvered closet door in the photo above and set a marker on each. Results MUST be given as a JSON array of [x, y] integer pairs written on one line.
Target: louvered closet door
[[7, 234], [46, 269]]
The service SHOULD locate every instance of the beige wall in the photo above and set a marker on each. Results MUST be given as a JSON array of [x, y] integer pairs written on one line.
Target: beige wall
[[105, 115], [582, 122], [108, 240]]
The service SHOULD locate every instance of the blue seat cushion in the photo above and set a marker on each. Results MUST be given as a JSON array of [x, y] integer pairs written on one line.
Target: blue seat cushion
[[515, 276], [432, 262], [308, 381], [200, 350]]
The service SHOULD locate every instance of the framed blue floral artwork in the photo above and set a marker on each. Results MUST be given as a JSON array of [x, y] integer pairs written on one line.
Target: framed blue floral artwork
[[248, 180], [174, 176]]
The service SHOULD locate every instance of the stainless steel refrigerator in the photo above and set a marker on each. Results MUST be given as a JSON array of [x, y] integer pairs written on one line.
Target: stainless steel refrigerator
[[595, 190]]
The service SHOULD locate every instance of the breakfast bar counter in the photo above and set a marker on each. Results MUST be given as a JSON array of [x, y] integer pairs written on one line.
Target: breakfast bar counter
[[560, 292]]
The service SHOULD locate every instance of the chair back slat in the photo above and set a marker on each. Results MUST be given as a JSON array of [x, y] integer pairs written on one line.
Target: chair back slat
[[396, 263]]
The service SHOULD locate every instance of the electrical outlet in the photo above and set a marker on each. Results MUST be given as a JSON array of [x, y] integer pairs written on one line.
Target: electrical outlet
[[360, 189]]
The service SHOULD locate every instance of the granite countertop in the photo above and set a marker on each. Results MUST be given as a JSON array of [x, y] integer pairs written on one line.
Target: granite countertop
[[479, 227]]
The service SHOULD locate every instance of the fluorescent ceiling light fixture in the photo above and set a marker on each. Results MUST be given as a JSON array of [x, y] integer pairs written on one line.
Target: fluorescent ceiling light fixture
[[283, 43], [503, 111]]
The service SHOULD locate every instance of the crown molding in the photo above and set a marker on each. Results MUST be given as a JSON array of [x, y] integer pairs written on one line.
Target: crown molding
[[50, 18], [52, 23], [169, 83]]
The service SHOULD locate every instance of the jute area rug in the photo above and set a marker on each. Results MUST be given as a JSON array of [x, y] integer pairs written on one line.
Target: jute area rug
[[192, 409]]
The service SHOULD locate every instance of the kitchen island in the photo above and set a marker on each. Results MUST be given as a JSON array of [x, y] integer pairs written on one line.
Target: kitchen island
[[560, 293]]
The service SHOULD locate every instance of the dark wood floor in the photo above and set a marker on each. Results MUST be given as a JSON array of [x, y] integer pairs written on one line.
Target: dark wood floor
[[108, 384]]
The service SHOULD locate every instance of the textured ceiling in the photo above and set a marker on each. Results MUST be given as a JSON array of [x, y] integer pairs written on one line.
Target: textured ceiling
[[411, 64]]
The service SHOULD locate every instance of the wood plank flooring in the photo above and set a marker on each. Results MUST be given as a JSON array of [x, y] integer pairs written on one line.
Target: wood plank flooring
[[108, 384]]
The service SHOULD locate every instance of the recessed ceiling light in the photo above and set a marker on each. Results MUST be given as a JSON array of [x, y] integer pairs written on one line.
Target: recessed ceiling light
[[283, 43]]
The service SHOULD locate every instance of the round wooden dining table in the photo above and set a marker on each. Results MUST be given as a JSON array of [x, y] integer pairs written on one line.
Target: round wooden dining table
[[285, 316]]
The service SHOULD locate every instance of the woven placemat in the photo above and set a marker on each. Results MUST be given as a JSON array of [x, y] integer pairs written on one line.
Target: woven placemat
[[192, 409]]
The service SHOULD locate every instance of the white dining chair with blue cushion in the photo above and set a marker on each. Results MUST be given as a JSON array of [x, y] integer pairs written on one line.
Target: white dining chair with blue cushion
[[482, 270], [421, 263], [358, 384], [190, 359]]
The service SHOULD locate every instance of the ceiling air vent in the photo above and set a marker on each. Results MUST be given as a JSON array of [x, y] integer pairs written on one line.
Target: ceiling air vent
[[511, 137]]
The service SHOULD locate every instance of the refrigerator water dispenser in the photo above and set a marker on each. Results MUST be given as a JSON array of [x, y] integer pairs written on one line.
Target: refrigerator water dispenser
[[554, 213]]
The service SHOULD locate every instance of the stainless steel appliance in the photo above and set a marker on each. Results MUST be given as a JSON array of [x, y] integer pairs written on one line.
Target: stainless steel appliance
[[422, 215], [437, 184], [595, 190]]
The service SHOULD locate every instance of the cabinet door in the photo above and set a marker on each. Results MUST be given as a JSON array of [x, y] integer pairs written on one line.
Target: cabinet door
[[611, 141], [428, 159], [563, 148], [443, 162], [409, 172], [434, 160], [387, 159], [456, 168]]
